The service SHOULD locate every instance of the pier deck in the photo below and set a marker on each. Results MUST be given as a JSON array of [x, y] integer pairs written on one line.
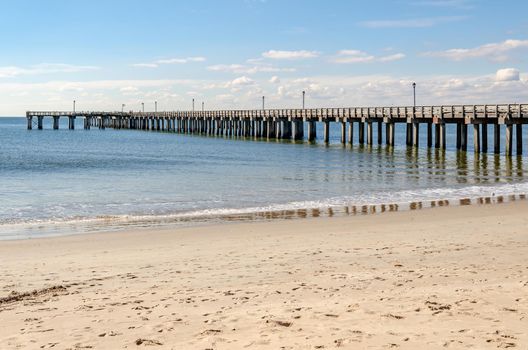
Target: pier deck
[[290, 123]]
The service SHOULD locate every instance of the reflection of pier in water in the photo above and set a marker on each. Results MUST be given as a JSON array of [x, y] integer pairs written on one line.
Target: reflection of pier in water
[[290, 124], [480, 170], [366, 209], [485, 169]]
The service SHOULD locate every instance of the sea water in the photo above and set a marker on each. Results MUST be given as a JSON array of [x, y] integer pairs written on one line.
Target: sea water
[[56, 182]]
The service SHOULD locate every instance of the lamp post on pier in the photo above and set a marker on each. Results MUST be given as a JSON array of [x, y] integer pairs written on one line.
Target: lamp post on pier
[[73, 106], [414, 94], [143, 107], [122, 108], [263, 102], [155, 106], [303, 93], [193, 105], [202, 106]]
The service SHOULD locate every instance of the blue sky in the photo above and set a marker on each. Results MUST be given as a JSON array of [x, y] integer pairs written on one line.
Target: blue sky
[[230, 53]]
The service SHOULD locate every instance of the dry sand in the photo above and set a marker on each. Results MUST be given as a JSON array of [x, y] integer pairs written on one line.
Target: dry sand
[[453, 277]]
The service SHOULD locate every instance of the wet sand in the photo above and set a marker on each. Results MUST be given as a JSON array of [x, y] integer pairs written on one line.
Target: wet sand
[[454, 277]]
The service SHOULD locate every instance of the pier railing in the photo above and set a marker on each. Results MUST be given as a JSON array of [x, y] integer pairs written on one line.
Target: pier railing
[[290, 123]]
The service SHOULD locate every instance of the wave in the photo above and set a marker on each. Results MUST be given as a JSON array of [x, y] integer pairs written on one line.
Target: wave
[[398, 200]]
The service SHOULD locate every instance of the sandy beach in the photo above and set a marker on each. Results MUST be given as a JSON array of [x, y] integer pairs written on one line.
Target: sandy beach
[[452, 277]]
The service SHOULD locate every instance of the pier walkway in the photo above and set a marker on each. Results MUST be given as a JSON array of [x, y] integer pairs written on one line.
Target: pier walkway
[[365, 123]]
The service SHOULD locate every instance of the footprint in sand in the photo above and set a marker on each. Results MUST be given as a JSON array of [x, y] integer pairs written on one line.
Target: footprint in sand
[[147, 342]]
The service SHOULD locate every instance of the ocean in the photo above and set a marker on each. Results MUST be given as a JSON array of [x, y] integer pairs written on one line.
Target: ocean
[[78, 181]]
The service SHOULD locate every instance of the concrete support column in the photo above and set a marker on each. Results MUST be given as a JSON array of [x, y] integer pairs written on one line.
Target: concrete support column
[[369, 133], [463, 137], [519, 139], [442, 136], [248, 128], [361, 132], [56, 123], [39, 122], [326, 131], [459, 136], [509, 136], [416, 134], [278, 131], [29, 123], [300, 126], [429, 134], [312, 131], [350, 132], [298, 130], [286, 132], [484, 134], [264, 132], [391, 132], [409, 133], [271, 129], [476, 138], [380, 132], [437, 135], [343, 132]]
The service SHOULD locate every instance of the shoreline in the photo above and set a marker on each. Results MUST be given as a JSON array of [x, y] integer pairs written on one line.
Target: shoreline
[[452, 276], [192, 219]]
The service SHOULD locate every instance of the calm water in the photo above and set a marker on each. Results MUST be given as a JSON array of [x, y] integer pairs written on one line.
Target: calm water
[[57, 182]]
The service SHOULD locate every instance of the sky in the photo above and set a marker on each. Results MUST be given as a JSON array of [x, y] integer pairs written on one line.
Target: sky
[[228, 54]]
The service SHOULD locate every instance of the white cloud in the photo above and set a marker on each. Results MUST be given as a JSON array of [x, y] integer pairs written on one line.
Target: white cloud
[[129, 90], [43, 68], [410, 23], [357, 56], [242, 81], [290, 55], [507, 74], [225, 97], [157, 63], [245, 69], [352, 56], [274, 79], [389, 58], [506, 85], [235, 68], [181, 60], [493, 51], [239, 82], [145, 65]]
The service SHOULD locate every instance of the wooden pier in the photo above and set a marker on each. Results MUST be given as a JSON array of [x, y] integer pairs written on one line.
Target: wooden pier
[[370, 124]]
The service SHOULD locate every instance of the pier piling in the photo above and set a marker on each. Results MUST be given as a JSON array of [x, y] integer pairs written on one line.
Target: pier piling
[[289, 124]]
